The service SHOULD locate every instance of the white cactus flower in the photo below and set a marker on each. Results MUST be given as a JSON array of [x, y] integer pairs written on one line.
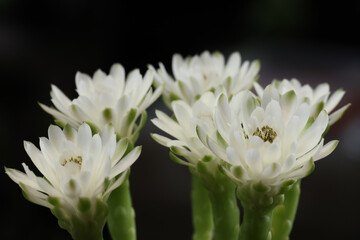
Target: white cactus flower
[[267, 140], [196, 75], [106, 99], [319, 98], [79, 173]]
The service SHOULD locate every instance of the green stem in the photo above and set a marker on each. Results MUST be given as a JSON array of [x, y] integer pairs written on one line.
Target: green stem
[[225, 211], [201, 211], [256, 223], [284, 214], [121, 219]]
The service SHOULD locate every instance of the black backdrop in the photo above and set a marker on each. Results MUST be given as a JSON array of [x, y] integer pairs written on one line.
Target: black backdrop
[[46, 42]]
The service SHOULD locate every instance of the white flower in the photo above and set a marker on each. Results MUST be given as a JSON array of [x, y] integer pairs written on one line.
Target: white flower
[[318, 98], [267, 140], [198, 74], [106, 99], [185, 142], [79, 170]]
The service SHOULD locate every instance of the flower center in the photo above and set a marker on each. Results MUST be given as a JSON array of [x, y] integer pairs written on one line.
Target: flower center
[[266, 133], [77, 160]]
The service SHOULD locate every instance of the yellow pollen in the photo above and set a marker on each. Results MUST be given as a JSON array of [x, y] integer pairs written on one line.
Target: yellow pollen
[[266, 133], [77, 160]]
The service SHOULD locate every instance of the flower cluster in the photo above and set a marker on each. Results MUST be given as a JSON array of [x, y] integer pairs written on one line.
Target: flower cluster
[[260, 142], [269, 137]]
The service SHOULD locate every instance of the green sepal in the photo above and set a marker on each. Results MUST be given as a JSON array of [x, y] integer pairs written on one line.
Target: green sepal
[[310, 121], [237, 171], [178, 160], [173, 97], [84, 205], [93, 127], [312, 168], [69, 132], [59, 123], [318, 108], [261, 188], [54, 201], [221, 140], [138, 127], [131, 116], [326, 130], [107, 113]]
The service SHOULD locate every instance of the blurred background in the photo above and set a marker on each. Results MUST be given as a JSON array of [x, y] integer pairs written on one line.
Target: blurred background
[[46, 42]]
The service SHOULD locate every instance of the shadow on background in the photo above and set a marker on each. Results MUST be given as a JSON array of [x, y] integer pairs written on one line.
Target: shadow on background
[[46, 42]]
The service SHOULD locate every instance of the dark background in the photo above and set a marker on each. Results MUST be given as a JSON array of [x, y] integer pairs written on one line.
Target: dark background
[[46, 42]]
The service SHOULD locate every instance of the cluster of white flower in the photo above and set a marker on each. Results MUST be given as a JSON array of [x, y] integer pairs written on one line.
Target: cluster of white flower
[[269, 137]]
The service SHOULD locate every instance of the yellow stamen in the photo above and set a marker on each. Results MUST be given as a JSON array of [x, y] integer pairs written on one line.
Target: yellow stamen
[[266, 133], [77, 160]]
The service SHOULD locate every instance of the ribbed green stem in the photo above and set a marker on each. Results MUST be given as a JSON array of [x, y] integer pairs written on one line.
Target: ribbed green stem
[[284, 214], [201, 211], [121, 219], [256, 223], [85, 224], [225, 211]]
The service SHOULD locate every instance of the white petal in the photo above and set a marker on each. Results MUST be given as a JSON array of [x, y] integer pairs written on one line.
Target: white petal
[[327, 149], [259, 89], [288, 105], [233, 64], [118, 73], [126, 162], [334, 100], [253, 159], [117, 183], [272, 154], [84, 137], [216, 149], [62, 102], [95, 146], [177, 61], [83, 83], [56, 136], [121, 148], [311, 137], [272, 170], [60, 116], [20, 177], [183, 115], [289, 163], [232, 156], [223, 116], [38, 159], [335, 116]]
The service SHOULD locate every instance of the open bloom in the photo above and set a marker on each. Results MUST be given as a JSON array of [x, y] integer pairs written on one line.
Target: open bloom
[[318, 98], [267, 140], [196, 75], [106, 99], [79, 172]]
